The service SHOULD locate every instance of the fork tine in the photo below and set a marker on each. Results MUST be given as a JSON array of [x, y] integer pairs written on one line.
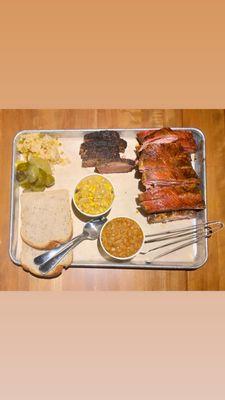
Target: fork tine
[[195, 232], [177, 230], [178, 248], [196, 237], [171, 236], [218, 225]]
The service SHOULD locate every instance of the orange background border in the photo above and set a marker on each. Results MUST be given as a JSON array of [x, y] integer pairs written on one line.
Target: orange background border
[[140, 54], [105, 54]]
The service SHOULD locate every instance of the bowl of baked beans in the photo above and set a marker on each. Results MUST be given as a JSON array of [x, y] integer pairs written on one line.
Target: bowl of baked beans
[[121, 238]]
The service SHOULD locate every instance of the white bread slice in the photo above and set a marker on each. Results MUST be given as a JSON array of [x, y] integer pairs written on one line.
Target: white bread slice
[[46, 218], [29, 253]]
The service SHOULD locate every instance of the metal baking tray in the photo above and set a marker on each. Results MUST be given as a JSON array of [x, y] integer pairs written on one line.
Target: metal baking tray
[[126, 190]]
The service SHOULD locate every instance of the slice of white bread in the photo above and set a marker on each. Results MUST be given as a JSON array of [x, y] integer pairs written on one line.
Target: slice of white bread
[[29, 253], [46, 218]]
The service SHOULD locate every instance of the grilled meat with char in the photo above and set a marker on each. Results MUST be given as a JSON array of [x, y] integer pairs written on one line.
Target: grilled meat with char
[[167, 135], [101, 149], [98, 150], [161, 155], [164, 159], [168, 175], [170, 216], [102, 135], [161, 199]]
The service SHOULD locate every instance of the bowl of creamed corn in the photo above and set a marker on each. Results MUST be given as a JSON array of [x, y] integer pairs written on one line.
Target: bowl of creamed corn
[[93, 195]]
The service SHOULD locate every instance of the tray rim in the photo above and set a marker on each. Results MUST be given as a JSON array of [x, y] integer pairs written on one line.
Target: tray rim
[[155, 266]]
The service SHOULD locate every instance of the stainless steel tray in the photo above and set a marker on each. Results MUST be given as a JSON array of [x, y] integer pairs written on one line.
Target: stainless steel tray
[[126, 186]]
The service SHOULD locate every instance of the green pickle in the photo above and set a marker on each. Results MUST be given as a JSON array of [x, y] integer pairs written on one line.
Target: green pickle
[[50, 180], [26, 185], [34, 175], [43, 164], [21, 172]]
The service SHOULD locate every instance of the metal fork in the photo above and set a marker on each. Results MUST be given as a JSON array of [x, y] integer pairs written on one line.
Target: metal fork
[[186, 236]]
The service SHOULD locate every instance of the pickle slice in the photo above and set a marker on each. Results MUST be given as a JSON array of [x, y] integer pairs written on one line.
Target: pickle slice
[[32, 173], [41, 180], [21, 171], [37, 189], [26, 185], [50, 180], [43, 164]]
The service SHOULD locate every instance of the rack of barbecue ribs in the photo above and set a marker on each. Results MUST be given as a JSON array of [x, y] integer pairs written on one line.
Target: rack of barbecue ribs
[[171, 185], [101, 149]]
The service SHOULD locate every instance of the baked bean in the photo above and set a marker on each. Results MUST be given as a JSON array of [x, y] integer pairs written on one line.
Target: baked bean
[[122, 237]]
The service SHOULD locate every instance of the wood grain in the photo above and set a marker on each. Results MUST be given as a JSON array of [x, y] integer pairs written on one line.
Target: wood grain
[[211, 122], [210, 277]]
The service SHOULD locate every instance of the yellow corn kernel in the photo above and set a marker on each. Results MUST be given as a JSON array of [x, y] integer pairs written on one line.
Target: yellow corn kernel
[[94, 195]]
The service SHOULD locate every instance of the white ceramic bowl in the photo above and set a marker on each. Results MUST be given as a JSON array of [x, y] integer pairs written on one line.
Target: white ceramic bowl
[[92, 215], [121, 258]]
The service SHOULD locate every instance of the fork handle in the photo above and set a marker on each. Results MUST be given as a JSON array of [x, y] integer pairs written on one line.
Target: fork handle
[[53, 252], [175, 249], [53, 260]]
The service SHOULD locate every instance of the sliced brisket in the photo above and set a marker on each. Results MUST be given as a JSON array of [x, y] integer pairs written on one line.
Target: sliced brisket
[[102, 135], [122, 165], [96, 149], [101, 149]]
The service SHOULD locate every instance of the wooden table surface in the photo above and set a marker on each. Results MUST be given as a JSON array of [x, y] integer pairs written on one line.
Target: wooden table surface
[[210, 277]]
